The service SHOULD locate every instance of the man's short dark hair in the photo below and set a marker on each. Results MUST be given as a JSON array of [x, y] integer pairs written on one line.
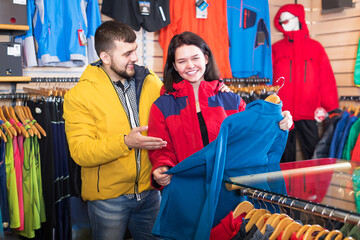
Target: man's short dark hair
[[111, 31]]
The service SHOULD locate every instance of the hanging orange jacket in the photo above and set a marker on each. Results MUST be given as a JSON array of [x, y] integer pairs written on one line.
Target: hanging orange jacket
[[213, 29]]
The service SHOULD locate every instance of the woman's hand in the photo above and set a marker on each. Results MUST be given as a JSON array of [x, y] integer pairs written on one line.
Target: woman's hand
[[287, 122], [160, 177], [224, 88]]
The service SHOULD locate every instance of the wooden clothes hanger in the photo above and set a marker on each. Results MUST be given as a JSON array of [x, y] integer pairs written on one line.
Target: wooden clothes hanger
[[7, 130], [9, 118], [243, 207], [277, 219], [270, 219], [21, 117], [311, 230], [32, 119], [260, 223], [302, 230], [27, 121], [280, 227], [321, 233], [290, 229], [254, 217], [274, 98], [333, 233]]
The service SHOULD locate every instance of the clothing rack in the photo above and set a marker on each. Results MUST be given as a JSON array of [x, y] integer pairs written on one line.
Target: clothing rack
[[246, 80], [298, 204], [14, 96], [54, 79], [349, 98]]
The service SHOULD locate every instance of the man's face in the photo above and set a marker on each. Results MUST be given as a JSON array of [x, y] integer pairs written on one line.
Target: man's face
[[122, 59]]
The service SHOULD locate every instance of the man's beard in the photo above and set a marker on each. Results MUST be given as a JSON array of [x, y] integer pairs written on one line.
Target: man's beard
[[122, 73]]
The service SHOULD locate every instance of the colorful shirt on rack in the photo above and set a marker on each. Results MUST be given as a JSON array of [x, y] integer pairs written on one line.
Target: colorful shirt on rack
[[18, 172], [250, 38], [13, 199]]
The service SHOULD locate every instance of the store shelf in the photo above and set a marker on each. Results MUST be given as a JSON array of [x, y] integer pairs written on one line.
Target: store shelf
[[15, 79], [14, 27]]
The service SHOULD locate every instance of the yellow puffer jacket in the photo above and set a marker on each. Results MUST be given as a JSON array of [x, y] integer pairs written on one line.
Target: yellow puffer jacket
[[95, 125]]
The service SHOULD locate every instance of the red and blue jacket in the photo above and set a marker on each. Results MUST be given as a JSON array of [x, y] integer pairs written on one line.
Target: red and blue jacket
[[173, 118]]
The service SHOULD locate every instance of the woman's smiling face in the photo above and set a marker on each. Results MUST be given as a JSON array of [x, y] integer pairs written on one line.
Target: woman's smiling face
[[190, 63]]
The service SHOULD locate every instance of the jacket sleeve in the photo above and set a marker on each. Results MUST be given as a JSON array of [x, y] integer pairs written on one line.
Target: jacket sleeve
[[328, 89], [81, 133], [158, 128], [93, 22]]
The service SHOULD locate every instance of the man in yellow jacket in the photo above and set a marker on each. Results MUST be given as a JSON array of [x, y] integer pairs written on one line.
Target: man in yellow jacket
[[106, 116]]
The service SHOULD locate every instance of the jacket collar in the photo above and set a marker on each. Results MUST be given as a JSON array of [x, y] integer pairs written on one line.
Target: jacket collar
[[182, 87]]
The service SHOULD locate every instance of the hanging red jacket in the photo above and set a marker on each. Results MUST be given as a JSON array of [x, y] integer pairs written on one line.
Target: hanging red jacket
[[309, 79]]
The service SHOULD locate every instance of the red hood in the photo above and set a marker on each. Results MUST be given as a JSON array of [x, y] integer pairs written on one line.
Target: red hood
[[297, 10]]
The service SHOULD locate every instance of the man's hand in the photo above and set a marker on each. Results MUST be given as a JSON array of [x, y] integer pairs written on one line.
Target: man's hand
[[135, 140], [287, 122], [160, 177], [224, 88]]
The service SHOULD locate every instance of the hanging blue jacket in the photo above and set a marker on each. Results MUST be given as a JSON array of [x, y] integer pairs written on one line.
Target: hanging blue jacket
[[56, 28], [197, 194], [351, 120], [250, 38], [339, 129]]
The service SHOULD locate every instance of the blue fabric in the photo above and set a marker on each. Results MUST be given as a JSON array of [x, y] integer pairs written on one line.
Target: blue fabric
[[190, 203], [340, 126], [110, 217], [3, 191], [56, 26], [248, 55], [351, 120]]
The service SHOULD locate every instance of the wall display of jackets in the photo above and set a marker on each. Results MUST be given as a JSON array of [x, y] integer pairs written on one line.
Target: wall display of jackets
[[341, 137], [152, 15], [212, 29], [64, 32], [250, 38]]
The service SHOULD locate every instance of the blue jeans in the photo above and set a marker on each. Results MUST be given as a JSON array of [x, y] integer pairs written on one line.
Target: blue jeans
[[109, 218]]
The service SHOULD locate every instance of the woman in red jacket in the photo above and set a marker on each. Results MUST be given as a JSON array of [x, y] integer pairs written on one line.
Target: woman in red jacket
[[190, 110]]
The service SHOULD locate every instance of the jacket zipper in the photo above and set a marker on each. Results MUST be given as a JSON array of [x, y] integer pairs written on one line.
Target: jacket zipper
[[136, 188], [290, 69], [305, 70], [98, 180]]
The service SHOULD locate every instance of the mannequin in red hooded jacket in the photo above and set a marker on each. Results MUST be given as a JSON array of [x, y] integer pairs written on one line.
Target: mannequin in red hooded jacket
[[309, 79]]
